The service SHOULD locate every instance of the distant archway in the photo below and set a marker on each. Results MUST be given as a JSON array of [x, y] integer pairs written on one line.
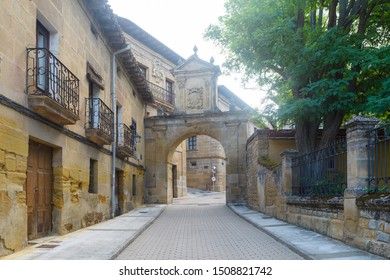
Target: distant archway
[[205, 163], [164, 134]]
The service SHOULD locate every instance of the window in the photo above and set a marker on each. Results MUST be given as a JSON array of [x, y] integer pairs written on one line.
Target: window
[[47, 68], [43, 42], [93, 105], [93, 175], [169, 89], [96, 84], [134, 185], [143, 71], [192, 145], [133, 128], [120, 132]]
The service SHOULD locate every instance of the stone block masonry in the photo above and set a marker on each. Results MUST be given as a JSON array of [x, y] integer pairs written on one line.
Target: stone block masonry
[[358, 218]]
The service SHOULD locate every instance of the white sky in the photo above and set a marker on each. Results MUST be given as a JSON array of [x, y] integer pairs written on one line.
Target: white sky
[[180, 25]]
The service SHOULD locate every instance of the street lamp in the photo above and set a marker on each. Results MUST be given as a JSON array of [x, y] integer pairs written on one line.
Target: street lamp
[[137, 138]]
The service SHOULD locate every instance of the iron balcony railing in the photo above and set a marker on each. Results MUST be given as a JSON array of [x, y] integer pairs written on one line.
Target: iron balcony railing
[[322, 172], [46, 75], [125, 139], [99, 116], [161, 94], [378, 150]]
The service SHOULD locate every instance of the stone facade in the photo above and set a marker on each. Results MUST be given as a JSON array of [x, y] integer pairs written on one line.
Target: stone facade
[[200, 161], [78, 40]]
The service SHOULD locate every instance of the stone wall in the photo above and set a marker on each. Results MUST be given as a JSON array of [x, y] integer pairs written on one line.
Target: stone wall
[[76, 42], [13, 165], [373, 230], [357, 218]]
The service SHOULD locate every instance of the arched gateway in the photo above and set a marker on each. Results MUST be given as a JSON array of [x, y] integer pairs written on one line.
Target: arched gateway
[[163, 134]]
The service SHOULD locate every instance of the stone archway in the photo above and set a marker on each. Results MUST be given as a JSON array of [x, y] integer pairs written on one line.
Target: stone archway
[[163, 134]]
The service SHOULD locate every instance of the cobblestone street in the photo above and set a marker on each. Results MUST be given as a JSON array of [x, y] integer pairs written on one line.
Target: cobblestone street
[[201, 226]]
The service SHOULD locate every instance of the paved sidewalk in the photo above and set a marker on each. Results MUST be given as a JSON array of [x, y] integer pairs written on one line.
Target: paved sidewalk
[[103, 241], [108, 239], [307, 243]]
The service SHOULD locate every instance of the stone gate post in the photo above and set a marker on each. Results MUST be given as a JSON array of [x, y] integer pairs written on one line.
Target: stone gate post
[[357, 170], [287, 157]]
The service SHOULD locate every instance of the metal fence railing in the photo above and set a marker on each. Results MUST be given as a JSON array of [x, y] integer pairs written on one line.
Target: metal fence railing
[[99, 116], [126, 140], [321, 173], [47, 75], [378, 149], [162, 94]]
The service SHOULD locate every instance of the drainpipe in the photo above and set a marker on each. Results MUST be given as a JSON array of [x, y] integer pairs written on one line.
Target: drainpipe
[[113, 108]]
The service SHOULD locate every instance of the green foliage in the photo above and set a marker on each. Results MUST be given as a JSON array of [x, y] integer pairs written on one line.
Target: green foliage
[[313, 69], [265, 119]]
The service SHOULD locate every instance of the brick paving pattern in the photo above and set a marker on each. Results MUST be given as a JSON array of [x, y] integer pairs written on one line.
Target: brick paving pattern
[[202, 227]]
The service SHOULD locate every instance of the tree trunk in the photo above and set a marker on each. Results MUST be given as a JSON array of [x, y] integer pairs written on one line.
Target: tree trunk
[[320, 16], [332, 123], [301, 14], [332, 14], [306, 136]]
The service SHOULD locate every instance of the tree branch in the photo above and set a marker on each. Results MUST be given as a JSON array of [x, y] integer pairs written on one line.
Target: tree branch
[[278, 70]]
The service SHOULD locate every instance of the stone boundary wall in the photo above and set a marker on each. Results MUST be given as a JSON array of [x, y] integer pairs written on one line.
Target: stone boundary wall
[[357, 218]]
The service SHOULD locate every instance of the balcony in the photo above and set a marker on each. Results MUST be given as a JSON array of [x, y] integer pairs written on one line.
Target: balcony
[[99, 121], [163, 98], [53, 90], [125, 141]]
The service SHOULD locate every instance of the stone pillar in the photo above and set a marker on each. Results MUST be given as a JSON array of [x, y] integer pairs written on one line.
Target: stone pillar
[[287, 157], [357, 170], [257, 146]]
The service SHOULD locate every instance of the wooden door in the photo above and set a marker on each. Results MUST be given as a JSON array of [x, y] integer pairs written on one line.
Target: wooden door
[[174, 180], [118, 192], [39, 190]]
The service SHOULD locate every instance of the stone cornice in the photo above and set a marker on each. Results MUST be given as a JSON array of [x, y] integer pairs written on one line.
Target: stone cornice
[[112, 31]]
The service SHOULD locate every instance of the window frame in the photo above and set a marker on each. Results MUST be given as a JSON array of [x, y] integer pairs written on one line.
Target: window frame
[[192, 143]]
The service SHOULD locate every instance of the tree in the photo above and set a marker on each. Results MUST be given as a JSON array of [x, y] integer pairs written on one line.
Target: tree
[[324, 59]]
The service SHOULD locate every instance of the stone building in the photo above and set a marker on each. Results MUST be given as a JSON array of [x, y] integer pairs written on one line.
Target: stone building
[[185, 86], [79, 88], [71, 96]]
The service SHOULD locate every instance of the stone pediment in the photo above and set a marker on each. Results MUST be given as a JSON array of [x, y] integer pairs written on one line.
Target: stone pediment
[[195, 64]]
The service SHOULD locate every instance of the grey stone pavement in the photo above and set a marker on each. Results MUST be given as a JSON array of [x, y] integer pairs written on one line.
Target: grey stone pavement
[[198, 226]]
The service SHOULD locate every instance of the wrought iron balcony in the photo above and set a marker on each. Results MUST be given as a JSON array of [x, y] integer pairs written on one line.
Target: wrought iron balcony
[[125, 141], [99, 121], [53, 90], [163, 96]]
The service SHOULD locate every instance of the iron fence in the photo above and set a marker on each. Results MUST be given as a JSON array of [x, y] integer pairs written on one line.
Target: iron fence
[[46, 75], [99, 116], [321, 173], [378, 149]]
